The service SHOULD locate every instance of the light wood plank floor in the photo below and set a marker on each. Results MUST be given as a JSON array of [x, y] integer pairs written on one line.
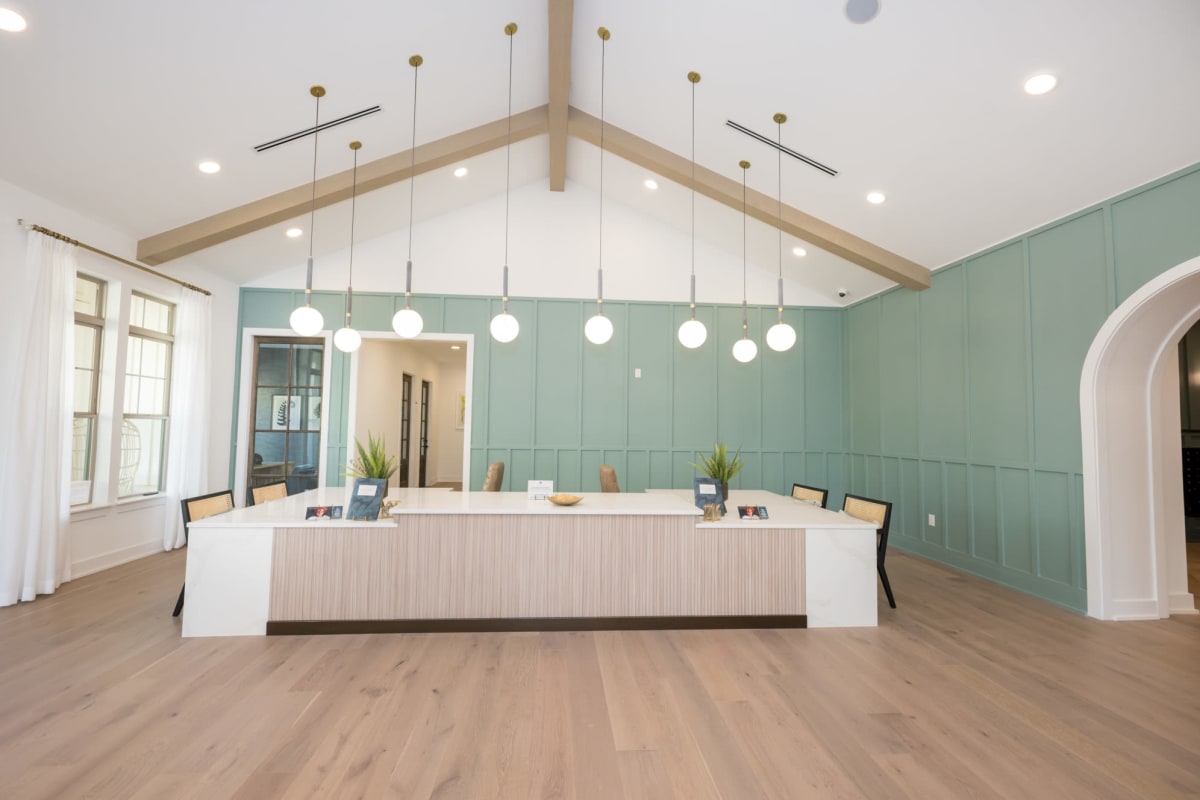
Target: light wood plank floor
[[967, 690]]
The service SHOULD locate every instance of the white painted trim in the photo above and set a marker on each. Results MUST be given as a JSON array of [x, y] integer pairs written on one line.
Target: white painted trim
[[1131, 476], [124, 555]]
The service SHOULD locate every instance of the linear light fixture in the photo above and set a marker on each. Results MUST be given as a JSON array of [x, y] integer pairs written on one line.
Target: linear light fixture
[[291, 137], [812, 162]]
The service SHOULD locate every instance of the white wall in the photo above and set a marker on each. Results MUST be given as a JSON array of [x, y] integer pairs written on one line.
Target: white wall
[[110, 533], [377, 395]]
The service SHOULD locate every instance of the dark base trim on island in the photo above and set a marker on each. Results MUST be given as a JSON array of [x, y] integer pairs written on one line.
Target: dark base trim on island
[[320, 627]]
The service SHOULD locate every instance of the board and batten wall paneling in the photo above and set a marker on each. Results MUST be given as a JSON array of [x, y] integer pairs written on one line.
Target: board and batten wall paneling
[[552, 405], [1002, 336]]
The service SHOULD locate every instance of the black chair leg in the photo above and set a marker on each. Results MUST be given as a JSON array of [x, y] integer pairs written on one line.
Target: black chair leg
[[887, 586], [179, 602]]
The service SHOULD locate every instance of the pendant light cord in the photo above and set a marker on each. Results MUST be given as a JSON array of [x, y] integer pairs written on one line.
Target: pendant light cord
[[779, 183], [600, 250], [312, 216], [693, 190], [508, 152], [412, 169], [353, 201]]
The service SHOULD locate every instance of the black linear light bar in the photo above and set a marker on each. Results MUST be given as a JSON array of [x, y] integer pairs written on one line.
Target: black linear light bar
[[310, 131], [812, 162]]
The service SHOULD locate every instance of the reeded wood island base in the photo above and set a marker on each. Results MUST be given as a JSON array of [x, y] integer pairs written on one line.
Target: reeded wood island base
[[321, 627]]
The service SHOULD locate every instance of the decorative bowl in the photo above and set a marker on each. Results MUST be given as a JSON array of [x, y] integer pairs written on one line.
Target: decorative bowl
[[564, 499]]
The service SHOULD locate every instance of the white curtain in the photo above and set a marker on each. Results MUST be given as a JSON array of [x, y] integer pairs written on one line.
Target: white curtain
[[187, 462], [35, 448]]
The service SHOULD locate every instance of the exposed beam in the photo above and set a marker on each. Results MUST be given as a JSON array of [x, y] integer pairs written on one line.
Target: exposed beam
[[562, 15], [335, 188], [758, 205]]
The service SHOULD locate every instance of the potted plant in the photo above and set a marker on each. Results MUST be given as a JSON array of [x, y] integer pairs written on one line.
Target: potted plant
[[720, 466], [372, 466]]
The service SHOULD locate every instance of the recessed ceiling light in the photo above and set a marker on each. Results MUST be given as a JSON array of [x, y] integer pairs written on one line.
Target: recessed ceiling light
[[209, 167], [1040, 83], [11, 21], [460, 172], [650, 184], [799, 251], [456, 347], [294, 232], [876, 197]]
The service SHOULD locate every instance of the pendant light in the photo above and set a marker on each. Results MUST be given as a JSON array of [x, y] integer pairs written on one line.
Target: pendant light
[[306, 320], [692, 332], [504, 325], [407, 323], [744, 349], [347, 339], [599, 329], [780, 336]]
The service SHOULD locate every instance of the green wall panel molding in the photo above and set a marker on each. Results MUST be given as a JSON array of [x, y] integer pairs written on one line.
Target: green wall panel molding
[[553, 406], [1001, 338]]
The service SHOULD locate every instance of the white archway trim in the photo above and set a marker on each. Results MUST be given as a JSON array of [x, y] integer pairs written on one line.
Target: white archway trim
[[1132, 475]]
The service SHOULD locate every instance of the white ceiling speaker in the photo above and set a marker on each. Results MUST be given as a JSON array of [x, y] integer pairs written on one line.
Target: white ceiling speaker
[[861, 11]]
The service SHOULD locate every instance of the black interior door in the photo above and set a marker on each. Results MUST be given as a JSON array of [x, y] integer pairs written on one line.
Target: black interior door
[[405, 426], [426, 387]]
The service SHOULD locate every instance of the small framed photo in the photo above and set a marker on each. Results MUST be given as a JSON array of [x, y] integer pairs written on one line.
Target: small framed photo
[[323, 512]]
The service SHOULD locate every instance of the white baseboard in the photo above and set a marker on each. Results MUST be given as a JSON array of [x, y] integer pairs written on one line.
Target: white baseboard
[[1183, 603], [1129, 610], [89, 566]]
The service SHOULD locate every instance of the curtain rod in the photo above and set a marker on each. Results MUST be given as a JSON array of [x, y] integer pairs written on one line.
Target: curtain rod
[[29, 226]]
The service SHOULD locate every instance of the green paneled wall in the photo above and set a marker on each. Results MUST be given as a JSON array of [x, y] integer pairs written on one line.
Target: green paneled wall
[[553, 405], [964, 398]]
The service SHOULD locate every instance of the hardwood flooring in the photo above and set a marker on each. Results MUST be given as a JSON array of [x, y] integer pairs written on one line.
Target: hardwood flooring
[[967, 690]]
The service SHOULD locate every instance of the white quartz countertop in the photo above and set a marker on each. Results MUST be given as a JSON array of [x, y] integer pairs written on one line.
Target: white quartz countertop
[[440, 501], [783, 511], [289, 512]]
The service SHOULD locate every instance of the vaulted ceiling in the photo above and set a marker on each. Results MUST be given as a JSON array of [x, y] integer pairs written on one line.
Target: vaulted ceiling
[[108, 107]]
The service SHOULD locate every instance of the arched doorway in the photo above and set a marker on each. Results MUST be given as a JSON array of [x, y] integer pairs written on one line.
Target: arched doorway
[[1132, 475]]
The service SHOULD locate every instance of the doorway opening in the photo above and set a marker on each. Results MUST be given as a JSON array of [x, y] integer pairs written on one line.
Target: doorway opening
[[1132, 469]]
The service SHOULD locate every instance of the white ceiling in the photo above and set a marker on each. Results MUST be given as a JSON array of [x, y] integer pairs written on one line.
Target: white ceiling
[[109, 106]]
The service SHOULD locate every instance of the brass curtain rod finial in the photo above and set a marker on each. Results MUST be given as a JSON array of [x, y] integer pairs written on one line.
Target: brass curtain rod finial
[[355, 145], [317, 91], [510, 28], [744, 164], [415, 61], [780, 118], [694, 77], [603, 33]]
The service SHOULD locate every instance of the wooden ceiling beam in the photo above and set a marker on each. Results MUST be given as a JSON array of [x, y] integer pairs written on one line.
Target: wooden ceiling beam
[[292, 203], [562, 15], [762, 207]]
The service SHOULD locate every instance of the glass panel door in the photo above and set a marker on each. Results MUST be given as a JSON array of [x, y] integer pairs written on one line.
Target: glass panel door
[[285, 439]]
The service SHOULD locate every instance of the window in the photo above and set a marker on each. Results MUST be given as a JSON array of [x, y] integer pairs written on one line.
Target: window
[[285, 442], [147, 396], [89, 334]]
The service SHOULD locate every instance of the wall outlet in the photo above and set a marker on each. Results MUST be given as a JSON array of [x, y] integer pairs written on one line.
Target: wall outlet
[[637, 372], [932, 521]]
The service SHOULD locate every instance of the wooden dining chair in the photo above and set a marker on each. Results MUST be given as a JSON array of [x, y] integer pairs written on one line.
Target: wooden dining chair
[[817, 497], [495, 477], [608, 479], [880, 513], [195, 508], [272, 491]]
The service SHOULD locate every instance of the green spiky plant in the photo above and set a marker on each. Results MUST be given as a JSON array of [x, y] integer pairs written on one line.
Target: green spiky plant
[[719, 465], [372, 461]]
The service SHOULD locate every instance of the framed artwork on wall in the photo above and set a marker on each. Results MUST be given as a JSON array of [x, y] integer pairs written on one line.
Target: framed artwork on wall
[[285, 412], [460, 410]]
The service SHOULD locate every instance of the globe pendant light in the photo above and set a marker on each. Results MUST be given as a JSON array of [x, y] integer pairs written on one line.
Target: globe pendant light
[[347, 339], [504, 325], [599, 329], [407, 323], [306, 320], [692, 332], [744, 349], [780, 336]]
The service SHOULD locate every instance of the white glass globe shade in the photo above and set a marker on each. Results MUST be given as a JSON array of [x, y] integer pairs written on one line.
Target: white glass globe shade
[[407, 323], [744, 350], [781, 336], [598, 330], [347, 340], [505, 327], [307, 321], [692, 334]]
